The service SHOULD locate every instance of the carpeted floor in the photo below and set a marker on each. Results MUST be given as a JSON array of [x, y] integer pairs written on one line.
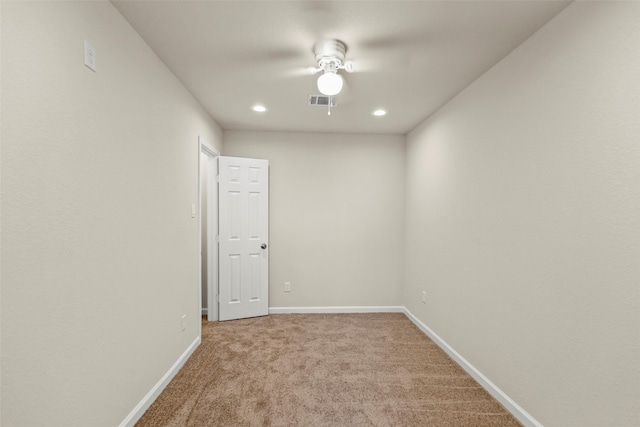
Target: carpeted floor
[[322, 370]]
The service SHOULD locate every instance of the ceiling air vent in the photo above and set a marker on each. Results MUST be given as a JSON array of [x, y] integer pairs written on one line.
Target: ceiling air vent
[[322, 100]]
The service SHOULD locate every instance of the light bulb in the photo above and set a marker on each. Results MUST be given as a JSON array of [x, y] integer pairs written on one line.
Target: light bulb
[[330, 83]]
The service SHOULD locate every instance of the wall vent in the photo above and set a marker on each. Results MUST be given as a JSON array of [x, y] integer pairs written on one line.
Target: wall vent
[[322, 100]]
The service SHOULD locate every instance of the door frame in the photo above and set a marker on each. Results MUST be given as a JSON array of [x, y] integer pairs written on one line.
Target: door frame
[[207, 150]]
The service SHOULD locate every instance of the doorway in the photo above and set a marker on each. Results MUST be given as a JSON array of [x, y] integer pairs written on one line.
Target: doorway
[[208, 227]]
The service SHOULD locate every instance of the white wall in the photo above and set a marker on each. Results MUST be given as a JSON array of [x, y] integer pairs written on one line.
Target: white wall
[[336, 209], [99, 250], [522, 219]]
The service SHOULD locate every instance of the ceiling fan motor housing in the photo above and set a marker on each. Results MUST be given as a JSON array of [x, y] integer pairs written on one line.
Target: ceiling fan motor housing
[[330, 54]]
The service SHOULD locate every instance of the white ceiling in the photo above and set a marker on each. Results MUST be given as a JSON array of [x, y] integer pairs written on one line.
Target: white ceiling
[[411, 57]]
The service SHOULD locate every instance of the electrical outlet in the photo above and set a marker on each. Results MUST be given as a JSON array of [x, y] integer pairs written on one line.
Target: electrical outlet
[[424, 297], [287, 286], [183, 322]]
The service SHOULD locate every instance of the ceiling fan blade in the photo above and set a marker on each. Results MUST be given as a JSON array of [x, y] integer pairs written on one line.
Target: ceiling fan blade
[[414, 40], [370, 64], [391, 51], [300, 71], [317, 17], [277, 56]]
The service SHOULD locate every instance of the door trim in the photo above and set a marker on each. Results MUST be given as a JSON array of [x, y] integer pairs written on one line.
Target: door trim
[[206, 149]]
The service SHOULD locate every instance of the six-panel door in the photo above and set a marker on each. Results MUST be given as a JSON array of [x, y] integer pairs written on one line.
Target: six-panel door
[[244, 237]]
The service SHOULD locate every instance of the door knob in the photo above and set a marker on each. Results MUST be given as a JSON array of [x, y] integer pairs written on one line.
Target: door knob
[[263, 246]]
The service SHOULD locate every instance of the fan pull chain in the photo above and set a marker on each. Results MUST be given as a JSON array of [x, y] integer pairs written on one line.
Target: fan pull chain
[[329, 109]]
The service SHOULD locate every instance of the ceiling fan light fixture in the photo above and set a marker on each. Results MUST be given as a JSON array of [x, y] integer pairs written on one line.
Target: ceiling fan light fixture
[[379, 113], [259, 108], [330, 83]]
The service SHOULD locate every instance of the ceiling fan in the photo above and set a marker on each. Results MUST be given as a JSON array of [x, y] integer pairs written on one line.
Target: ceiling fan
[[330, 55]]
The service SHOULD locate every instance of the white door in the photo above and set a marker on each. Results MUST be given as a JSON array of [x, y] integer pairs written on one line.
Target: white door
[[244, 236]]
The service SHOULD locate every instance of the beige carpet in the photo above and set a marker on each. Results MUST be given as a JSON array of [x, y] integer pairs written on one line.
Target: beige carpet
[[322, 370]]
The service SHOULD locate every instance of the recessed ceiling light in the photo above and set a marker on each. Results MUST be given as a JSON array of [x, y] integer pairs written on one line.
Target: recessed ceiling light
[[379, 113], [259, 108]]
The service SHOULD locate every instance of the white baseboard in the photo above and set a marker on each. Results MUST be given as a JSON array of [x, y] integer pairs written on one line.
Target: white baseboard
[[346, 309], [516, 410], [153, 394], [205, 311]]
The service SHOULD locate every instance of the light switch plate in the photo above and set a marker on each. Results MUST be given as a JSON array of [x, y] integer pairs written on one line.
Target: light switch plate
[[90, 56]]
